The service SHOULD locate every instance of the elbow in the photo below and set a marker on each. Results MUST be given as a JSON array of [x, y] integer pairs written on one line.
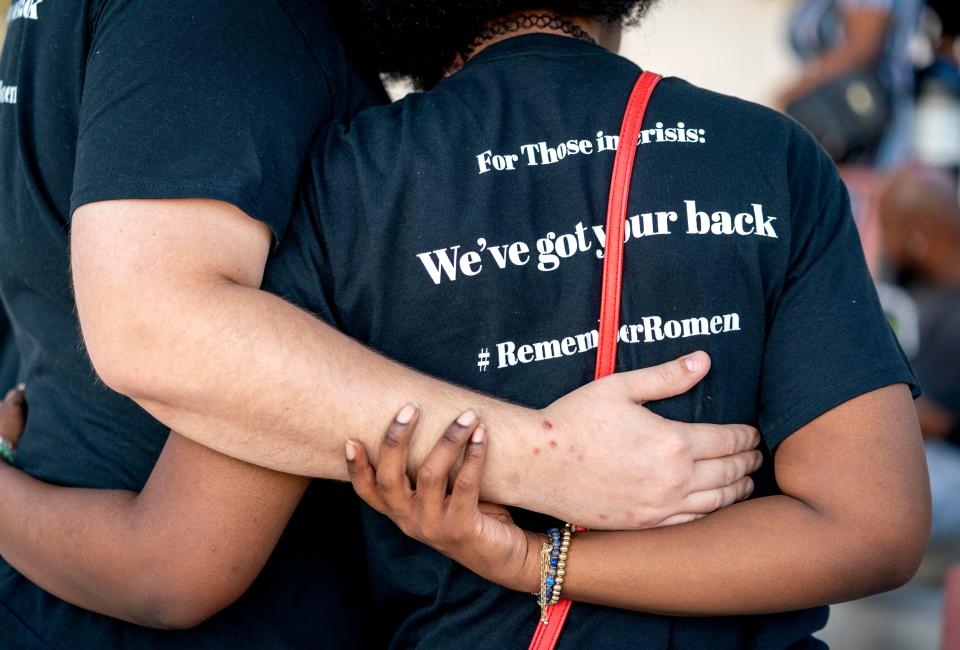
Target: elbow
[[107, 361], [180, 587], [170, 617], [899, 550], [125, 344], [898, 566], [184, 606]]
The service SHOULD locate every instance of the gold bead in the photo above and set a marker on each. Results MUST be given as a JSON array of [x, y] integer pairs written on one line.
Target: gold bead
[[559, 580], [561, 573], [564, 546], [563, 557]]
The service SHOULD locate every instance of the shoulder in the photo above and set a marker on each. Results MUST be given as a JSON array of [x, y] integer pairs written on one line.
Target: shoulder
[[750, 134], [733, 116]]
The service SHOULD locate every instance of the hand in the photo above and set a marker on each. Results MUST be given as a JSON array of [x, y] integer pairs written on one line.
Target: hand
[[608, 463], [13, 416], [480, 536]]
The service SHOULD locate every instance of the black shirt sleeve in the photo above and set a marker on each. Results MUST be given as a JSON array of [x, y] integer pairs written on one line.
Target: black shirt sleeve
[[298, 270], [216, 99], [827, 340]]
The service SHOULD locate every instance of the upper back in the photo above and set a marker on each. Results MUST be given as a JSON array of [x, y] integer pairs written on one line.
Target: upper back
[[461, 231]]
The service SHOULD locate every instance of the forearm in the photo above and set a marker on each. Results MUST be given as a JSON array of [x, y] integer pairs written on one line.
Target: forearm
[[167, 298], [256, 378], [80, 545], [863, 45], [157, 558], [767, 555]]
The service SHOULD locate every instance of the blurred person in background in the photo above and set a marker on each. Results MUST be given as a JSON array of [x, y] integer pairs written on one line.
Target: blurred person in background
[[921, 233], [938, 91], [866, 41]]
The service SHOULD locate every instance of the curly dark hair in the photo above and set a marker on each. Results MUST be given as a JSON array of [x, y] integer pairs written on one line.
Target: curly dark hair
[[420, 39]]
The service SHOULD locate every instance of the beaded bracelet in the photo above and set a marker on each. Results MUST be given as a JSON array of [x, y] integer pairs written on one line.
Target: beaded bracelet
[[562, 563], [553, 563], [6, 451]]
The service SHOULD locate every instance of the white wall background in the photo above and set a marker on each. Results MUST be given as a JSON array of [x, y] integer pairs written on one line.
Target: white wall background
[[737, 47]]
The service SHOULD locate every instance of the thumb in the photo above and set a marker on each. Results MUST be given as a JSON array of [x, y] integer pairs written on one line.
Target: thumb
[[15, 396], [12, 415], [668, 379]]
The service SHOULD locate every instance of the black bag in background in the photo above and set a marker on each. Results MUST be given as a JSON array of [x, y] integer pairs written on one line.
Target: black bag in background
[[847, 115]]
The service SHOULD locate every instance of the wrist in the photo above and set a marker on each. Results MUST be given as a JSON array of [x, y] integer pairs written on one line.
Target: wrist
[[512, 474], [8, 452], [526, 577]]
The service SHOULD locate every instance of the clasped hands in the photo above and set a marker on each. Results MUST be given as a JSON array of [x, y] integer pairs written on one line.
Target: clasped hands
[[637, 470]]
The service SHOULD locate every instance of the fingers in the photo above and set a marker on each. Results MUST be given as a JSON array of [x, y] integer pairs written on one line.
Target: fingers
[[707, 501], [721, 472], [666, 380], [719, 440], [391, 473], [362, 476], [465, 500], [15, 396], [12, 415], [679, 519], [436, 469]]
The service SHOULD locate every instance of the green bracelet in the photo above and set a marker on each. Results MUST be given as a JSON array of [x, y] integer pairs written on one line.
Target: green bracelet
[[7, 453]]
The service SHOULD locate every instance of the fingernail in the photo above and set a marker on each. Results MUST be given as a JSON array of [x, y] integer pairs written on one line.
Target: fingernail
[[478, 435], [405, 416], [467, 418], [693, 363], [21, 387], [350, 451]]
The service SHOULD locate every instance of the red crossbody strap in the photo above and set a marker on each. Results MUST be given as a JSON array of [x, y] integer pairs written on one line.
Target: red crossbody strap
[[546, 636], [616, 222]]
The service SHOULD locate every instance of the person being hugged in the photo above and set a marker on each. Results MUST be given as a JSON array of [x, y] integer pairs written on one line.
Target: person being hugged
[[841, 508]]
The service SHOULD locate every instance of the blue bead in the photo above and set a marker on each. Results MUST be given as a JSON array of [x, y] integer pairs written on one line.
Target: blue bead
[[554, 563], [551, 582]]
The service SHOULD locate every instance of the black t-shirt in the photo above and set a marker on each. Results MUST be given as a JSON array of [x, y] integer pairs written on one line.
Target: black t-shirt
[[108, 99], [461, 231]]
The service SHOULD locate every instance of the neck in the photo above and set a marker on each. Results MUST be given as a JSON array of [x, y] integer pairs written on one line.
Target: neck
[[602, 33]]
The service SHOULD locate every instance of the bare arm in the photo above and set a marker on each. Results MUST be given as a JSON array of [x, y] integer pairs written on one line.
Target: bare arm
[[853, 520], [168, 298], [173, 317], [158, 558], [865, 29]]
